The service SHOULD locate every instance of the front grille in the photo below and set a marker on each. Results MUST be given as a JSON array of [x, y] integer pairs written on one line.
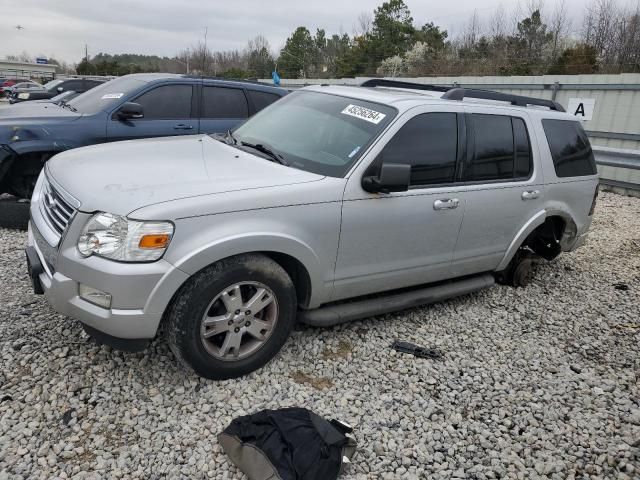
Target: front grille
[[55, 209]]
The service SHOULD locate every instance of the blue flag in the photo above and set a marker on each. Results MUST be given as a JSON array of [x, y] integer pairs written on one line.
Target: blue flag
[[276, 78]]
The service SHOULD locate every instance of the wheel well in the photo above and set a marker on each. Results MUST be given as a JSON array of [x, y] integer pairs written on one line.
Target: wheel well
[[545, 239], [31, 163], [22, 174], [294, 268], [298, 273]]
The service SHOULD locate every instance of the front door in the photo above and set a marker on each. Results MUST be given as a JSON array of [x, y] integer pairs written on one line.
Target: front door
[[167, 111], [395, 240]]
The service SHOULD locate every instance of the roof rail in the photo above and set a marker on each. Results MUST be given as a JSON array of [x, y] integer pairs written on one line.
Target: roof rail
[[519, 100], [456, 93], [224, 79], [383, 82]]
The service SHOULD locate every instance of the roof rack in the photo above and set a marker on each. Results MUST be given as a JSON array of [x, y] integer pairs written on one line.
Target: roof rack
[[242, 80], [383, 82], [457, 93]]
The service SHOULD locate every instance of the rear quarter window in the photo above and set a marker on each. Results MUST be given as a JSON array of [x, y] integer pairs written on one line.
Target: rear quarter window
[[570, 148], [262, 99]]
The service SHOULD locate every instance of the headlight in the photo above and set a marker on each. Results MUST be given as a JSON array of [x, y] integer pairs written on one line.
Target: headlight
[[119, 238], [23, 96]]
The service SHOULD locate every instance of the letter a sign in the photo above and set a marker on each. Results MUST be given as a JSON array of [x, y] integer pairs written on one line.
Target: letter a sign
[[582, 107]]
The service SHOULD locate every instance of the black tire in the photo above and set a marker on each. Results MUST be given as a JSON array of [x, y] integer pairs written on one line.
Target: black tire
[[14, 213], [520, 270], [182, 327]]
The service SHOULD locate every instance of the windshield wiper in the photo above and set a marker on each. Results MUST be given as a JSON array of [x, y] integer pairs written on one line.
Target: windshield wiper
[[261, 147], [64, 104], [229, 135]]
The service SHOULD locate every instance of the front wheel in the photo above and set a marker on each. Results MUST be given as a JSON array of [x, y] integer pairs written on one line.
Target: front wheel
[[232, 317]]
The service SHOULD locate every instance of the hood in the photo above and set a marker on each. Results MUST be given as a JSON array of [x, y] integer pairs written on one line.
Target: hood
[[34, 112], [124, 176]]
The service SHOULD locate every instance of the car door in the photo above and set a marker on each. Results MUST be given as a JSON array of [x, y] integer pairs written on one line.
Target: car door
[[167, 111], [222, 108], [504, 190], [400, 239]]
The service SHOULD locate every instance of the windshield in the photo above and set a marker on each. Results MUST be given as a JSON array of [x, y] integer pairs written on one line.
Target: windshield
[[52, 84], [106, 95], [317, 132]]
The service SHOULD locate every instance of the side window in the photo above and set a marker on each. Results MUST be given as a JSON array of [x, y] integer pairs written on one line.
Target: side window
[[262, 99], [570, 148], [501, 149], [429, 143], [223, 102], [524, 162], [166, 102], [74, 85], [493, 153]]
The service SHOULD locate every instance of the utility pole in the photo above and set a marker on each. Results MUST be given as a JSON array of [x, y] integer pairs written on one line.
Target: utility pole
[[204, 50], [86, 53]]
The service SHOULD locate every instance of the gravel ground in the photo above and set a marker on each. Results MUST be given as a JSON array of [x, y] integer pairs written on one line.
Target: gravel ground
[[541, 382]]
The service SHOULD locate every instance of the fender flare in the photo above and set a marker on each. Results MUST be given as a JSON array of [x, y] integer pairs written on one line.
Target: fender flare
[[534, 222], [268, 242]]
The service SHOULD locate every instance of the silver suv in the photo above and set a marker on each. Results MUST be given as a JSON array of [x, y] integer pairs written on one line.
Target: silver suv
[[334, 203]]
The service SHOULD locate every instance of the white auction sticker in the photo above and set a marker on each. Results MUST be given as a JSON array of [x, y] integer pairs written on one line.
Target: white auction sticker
[[364, 113], [112, 95]]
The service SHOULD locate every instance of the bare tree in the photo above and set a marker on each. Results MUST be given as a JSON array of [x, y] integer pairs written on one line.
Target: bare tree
[[471, 31], [560, 25], [498, 22], [363, 24]]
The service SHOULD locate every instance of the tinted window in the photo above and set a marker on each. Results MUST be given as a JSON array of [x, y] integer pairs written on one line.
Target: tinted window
[[166, 102], [220, 102], [570, 148], [428, 143], [523, 161], [75, 85], [262, 99], [92, 83], [493, 148]]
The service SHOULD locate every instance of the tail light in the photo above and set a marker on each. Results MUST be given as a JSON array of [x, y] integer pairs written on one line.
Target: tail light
[[593, 203]]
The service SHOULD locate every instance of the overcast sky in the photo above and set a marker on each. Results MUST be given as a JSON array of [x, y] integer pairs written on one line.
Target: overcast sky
[[61, 28]]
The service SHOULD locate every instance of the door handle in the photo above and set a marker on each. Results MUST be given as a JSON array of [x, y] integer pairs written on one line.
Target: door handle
[[530, 194], [446, 204], [182, 126]]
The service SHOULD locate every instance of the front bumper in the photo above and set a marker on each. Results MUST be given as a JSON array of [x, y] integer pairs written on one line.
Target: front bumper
[[140, 292]]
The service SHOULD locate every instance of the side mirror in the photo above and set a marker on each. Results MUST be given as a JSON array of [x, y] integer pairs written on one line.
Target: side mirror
[[130, 110], [394, 177], [60, 89]]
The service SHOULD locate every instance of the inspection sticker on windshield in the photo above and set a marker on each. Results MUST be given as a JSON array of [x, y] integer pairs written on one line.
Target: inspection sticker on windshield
[[364, 113], [112, 95]]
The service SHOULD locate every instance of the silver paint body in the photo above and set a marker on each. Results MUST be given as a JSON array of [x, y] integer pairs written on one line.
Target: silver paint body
[[224, 202]]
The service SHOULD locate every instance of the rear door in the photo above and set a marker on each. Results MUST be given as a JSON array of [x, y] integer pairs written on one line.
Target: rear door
[[167, 111], [503, 192], [222, 108]]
